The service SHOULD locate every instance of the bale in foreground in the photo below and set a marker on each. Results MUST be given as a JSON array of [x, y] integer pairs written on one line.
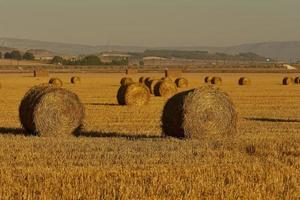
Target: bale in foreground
[[46, 110], [244, 81], [56, 82], [181, 82], [126, 81], [199, 113], [165, 88], [75, 80], [133, 94], [287, 81]]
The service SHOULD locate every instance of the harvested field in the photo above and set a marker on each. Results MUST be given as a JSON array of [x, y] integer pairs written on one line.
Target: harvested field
[[121, 148]]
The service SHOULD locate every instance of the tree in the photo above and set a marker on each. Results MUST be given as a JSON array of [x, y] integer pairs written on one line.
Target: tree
[[7, 55], [16, 55], [28, 56], [91, 60], [57, 60]]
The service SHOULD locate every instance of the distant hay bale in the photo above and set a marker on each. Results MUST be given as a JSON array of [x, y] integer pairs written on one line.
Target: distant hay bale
[[287, 81], [147, 81], [56, 82], [153, 82], [40, 73], [46, 110], [244, 81], [141, 79], [167, 79], [297, 80], [181, 82], [208, 79], [173, 73], [131, 71], [165, 88], [133, 94], [216, 81], [126, 81], [199, 113], [75, 80]]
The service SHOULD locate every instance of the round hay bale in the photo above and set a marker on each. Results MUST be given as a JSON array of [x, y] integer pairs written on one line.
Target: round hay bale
[[46, 110], [216, 81], [147, 81], [167, 79], [244, 81], [199, 113], [133, 94], [126, 81], [165, 88], [75, 80], [208, 79], [297, 80], [141, 79], [182, 83], [56, 82], [153, 82], [287, 81]]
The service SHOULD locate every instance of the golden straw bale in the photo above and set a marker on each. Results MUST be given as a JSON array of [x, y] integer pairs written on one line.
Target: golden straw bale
[[244, 81], [133, 94], [126, 81], [56, 82], [75, 80], [216, 81], [182, 83], [287, 81], [165, 88]]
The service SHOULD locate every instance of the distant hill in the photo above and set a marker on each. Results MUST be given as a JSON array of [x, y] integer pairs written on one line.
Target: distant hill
[[276, 50]]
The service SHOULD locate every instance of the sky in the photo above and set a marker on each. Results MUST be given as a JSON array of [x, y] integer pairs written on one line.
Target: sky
[[151, 23]]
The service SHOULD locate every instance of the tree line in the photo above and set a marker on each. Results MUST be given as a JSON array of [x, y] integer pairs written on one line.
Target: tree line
[[17, 55]]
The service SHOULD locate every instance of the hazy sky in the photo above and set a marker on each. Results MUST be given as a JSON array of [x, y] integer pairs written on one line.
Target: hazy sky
[[151, 22]]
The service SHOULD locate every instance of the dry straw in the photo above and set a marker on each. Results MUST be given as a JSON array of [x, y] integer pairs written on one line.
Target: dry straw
[[56, 82], [126, 81], [287, 81], [202, 112], [165, 88], [75, 80], [244, 81], [182, 82], [46, 110], [208, 79], [216, 81], [133, 94]]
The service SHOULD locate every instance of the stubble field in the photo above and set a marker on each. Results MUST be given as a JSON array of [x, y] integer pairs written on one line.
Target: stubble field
[[120, 154]]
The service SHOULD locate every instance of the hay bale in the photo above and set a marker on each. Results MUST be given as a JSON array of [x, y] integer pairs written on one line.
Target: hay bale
[[56, 82], [147, 81], [198, 113], [153, 82], [182, 82], [287, 81], [216, 81], [297, 80], [142, 79], [208, 79], [133, 94], [75, 80], [167, 79], [40, 73], [126, 81], [46, 110], [165, 88], [131, 71], [173, 73], [244, 81]]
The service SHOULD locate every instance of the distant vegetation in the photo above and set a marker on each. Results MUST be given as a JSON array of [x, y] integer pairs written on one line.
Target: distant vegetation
[[201, 55], [17, 55]]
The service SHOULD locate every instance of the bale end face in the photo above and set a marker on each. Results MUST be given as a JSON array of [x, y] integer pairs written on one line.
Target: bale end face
[[56, 82], [244, 81], [165, 88], [199, 113], [46, 110], [133, 94], [75, 80]]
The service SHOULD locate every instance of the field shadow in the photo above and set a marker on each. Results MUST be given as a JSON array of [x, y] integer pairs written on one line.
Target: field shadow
[[11, 131], [113, 135], [271, 119], [102, 104]]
